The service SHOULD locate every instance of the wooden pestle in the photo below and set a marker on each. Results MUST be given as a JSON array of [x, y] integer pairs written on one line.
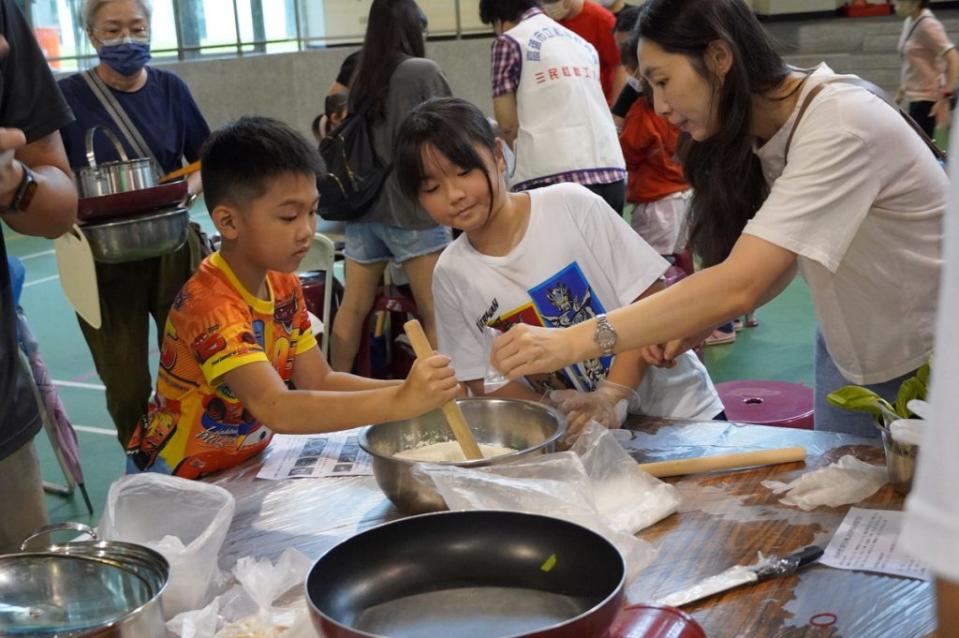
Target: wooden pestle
[[725, 461], [451, 410]]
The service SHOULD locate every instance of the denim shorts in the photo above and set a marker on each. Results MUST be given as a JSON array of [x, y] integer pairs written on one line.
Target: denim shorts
[[371, 242]]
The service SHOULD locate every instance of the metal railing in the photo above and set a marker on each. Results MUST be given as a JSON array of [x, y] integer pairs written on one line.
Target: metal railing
[[240, 47]]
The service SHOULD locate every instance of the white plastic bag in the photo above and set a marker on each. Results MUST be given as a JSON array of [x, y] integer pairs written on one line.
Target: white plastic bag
[[846, 481], [184, 520], [559, 485], [630, 498], [246, 610], [494, 379]]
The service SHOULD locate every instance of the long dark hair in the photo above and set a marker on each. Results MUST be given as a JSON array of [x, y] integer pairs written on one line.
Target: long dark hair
[[394, 32], [726, 176], [452, 126]]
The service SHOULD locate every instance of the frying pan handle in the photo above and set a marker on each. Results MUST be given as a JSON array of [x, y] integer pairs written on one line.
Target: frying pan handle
[[56, 527], [91, 155]]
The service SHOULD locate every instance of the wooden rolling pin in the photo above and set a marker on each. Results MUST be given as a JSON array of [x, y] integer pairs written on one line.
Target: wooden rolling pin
[[451, 410], [725, 462]]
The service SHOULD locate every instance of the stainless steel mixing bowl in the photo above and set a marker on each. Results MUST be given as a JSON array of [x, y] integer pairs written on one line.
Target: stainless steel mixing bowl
[[136, 238], [528, 427]]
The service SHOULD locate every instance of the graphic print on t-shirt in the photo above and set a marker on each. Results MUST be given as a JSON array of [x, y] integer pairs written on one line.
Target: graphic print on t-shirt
[[562, 300]]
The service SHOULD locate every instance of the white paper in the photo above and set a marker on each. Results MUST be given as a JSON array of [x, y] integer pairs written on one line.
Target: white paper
[[315, 456], [866, 541]]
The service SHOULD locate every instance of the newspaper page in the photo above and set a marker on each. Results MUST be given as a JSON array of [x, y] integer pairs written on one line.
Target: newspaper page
[[316, 456]]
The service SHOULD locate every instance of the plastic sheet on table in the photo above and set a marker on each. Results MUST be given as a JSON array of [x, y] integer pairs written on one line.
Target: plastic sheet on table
[[311, 515]]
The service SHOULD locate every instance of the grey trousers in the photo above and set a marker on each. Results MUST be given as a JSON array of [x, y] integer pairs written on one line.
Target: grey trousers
[[23, 506]]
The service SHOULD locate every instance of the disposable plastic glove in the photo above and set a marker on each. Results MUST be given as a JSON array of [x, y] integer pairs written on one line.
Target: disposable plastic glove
[[607, 405]]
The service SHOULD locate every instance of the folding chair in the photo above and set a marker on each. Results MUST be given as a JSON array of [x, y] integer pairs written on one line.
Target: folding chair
[[321, 256]]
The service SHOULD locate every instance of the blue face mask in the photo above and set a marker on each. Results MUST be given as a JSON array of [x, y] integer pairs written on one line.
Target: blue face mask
[[126, 58]]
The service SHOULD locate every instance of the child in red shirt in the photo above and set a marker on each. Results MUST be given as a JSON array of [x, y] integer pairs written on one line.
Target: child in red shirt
[[655, 179], [594, 24]]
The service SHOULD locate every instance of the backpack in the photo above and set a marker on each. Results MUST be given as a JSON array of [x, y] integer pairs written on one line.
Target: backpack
[[355, 174]]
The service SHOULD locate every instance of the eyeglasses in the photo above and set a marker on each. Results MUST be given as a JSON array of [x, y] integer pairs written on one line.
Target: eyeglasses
[[113, 35]]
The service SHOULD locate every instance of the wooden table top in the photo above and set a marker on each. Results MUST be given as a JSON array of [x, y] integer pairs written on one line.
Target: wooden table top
[[725, 519]]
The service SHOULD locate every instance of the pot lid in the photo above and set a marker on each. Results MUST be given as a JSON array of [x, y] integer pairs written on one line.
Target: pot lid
[[45, 593]]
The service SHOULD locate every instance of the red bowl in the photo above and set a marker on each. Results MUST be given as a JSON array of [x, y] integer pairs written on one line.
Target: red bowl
[[131, 203], [652, 621]]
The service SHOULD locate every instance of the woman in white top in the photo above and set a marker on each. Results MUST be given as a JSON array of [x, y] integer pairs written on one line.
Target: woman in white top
[[930, 66], [857, 210]]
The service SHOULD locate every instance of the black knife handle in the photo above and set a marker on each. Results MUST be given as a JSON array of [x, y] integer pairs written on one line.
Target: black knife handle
[[789, 564], [806, 556]]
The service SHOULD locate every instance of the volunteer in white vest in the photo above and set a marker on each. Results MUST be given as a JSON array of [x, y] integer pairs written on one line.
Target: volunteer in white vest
[[932, 521], [857, 209], [549, 103]]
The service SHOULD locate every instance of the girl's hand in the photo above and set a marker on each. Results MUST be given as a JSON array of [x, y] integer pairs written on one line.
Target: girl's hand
[[430, 383], [524, 350], [900, 93]]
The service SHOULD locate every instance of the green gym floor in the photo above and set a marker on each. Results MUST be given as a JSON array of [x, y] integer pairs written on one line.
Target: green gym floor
[[779, 348]]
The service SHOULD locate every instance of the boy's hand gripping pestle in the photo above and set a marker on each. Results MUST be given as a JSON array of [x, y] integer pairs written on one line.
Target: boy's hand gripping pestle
[[451, 410]]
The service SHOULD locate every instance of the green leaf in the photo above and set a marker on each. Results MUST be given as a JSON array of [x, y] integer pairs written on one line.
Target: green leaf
[[856, 399], [911, 388]]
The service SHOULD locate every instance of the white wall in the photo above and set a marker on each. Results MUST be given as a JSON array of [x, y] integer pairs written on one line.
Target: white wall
[[291, 86]]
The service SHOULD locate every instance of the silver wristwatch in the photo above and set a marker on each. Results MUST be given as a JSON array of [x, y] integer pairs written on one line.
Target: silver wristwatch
[[605, 337]]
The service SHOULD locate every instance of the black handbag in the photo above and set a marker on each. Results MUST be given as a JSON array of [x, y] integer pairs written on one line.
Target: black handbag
[[355, 174]]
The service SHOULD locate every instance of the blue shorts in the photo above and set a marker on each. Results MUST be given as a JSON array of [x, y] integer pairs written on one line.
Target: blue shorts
[[371, 242]]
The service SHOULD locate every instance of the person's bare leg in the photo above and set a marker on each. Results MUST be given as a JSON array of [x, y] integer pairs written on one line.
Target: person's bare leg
[[362, 281], [419, 271]]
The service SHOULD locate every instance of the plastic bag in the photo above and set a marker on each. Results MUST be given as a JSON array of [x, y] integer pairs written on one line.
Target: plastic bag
[[246, 610], [846, 481], [494, 380], [629, 497], [560, 485], [184, 520]]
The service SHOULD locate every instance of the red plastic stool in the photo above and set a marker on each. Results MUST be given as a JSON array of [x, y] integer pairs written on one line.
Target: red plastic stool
[[780, 403], [389, 298]]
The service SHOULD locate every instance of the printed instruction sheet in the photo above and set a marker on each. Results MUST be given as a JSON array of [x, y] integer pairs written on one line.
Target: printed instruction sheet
[[315, 456], [866, 541]]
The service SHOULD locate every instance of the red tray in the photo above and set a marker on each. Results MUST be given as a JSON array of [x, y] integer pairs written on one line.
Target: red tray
[[131, 203]]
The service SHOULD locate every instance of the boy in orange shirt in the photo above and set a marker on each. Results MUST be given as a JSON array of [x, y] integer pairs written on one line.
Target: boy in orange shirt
[[238, 341]]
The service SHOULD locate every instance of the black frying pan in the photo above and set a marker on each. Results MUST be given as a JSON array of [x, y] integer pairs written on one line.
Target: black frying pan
[[469, 574]]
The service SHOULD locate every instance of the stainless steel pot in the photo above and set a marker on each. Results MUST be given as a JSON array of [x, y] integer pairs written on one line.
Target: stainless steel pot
[[94, 589], [138, 238], [528, 427], [110, 178]]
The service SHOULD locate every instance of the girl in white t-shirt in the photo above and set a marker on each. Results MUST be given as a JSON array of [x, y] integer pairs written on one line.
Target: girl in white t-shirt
[[551, 256], [857, 209]]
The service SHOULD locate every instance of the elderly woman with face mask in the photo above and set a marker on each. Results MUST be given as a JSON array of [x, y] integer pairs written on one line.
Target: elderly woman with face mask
[[930, 66], [159, 109]]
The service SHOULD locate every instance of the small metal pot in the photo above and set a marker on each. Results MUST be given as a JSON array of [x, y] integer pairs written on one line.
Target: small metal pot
[[110, 178], [528, 427], [138, 238], [94, 589], [901, 459]]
